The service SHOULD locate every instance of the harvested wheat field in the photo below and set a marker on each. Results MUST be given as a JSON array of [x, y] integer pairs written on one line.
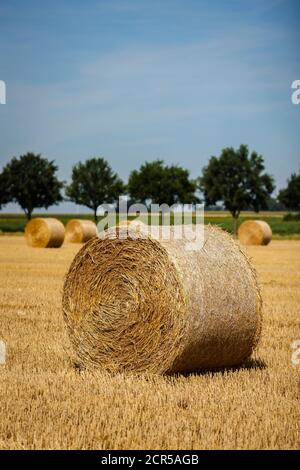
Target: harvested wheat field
[[47, 403]]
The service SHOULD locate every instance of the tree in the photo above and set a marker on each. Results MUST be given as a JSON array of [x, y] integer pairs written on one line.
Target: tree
[[31, 182], [4, 196], [275, 205], [94, 183], [162, 184], [236, 179], [290, 196]]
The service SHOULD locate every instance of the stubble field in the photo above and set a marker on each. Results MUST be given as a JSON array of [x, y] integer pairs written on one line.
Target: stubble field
[[47, 403]]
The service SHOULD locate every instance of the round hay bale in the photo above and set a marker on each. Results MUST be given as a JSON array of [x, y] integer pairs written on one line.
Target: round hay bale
[[133, 226], [45, 233], [80, 231], [147, 305], [255, 232]]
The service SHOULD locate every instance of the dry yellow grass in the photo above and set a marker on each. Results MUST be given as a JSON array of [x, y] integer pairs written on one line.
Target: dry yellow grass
[[45, 403]]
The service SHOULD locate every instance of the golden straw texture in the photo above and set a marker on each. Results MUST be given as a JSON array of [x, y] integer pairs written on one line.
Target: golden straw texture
[[150, 305], [80, 231], [45, 233], [255, 232]]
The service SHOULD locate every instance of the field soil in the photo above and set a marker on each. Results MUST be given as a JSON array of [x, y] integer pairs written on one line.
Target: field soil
[[46, 403]]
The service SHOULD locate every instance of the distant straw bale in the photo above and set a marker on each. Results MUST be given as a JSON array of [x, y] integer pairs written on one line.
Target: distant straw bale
[[45, 233], [255, 232], [80, 231]]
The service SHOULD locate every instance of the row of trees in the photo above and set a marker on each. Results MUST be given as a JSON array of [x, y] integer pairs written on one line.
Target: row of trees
[[236, 179]]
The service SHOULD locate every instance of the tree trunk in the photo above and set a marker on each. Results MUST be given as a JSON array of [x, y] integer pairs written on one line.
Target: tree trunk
[[28, 214], [235, 225], [95, 215]]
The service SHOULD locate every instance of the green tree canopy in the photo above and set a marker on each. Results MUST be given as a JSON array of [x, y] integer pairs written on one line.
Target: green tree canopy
[[238, 180], [275, 205], [31, 182], [94, 183], [162, 184], [290, 196]]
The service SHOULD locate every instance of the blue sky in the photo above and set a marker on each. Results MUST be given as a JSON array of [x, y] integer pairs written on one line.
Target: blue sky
[[139, 80]]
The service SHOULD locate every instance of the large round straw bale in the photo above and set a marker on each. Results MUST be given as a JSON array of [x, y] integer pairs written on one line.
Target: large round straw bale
[[45, 233], [80, 231], [255, 232], [150, 305]]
